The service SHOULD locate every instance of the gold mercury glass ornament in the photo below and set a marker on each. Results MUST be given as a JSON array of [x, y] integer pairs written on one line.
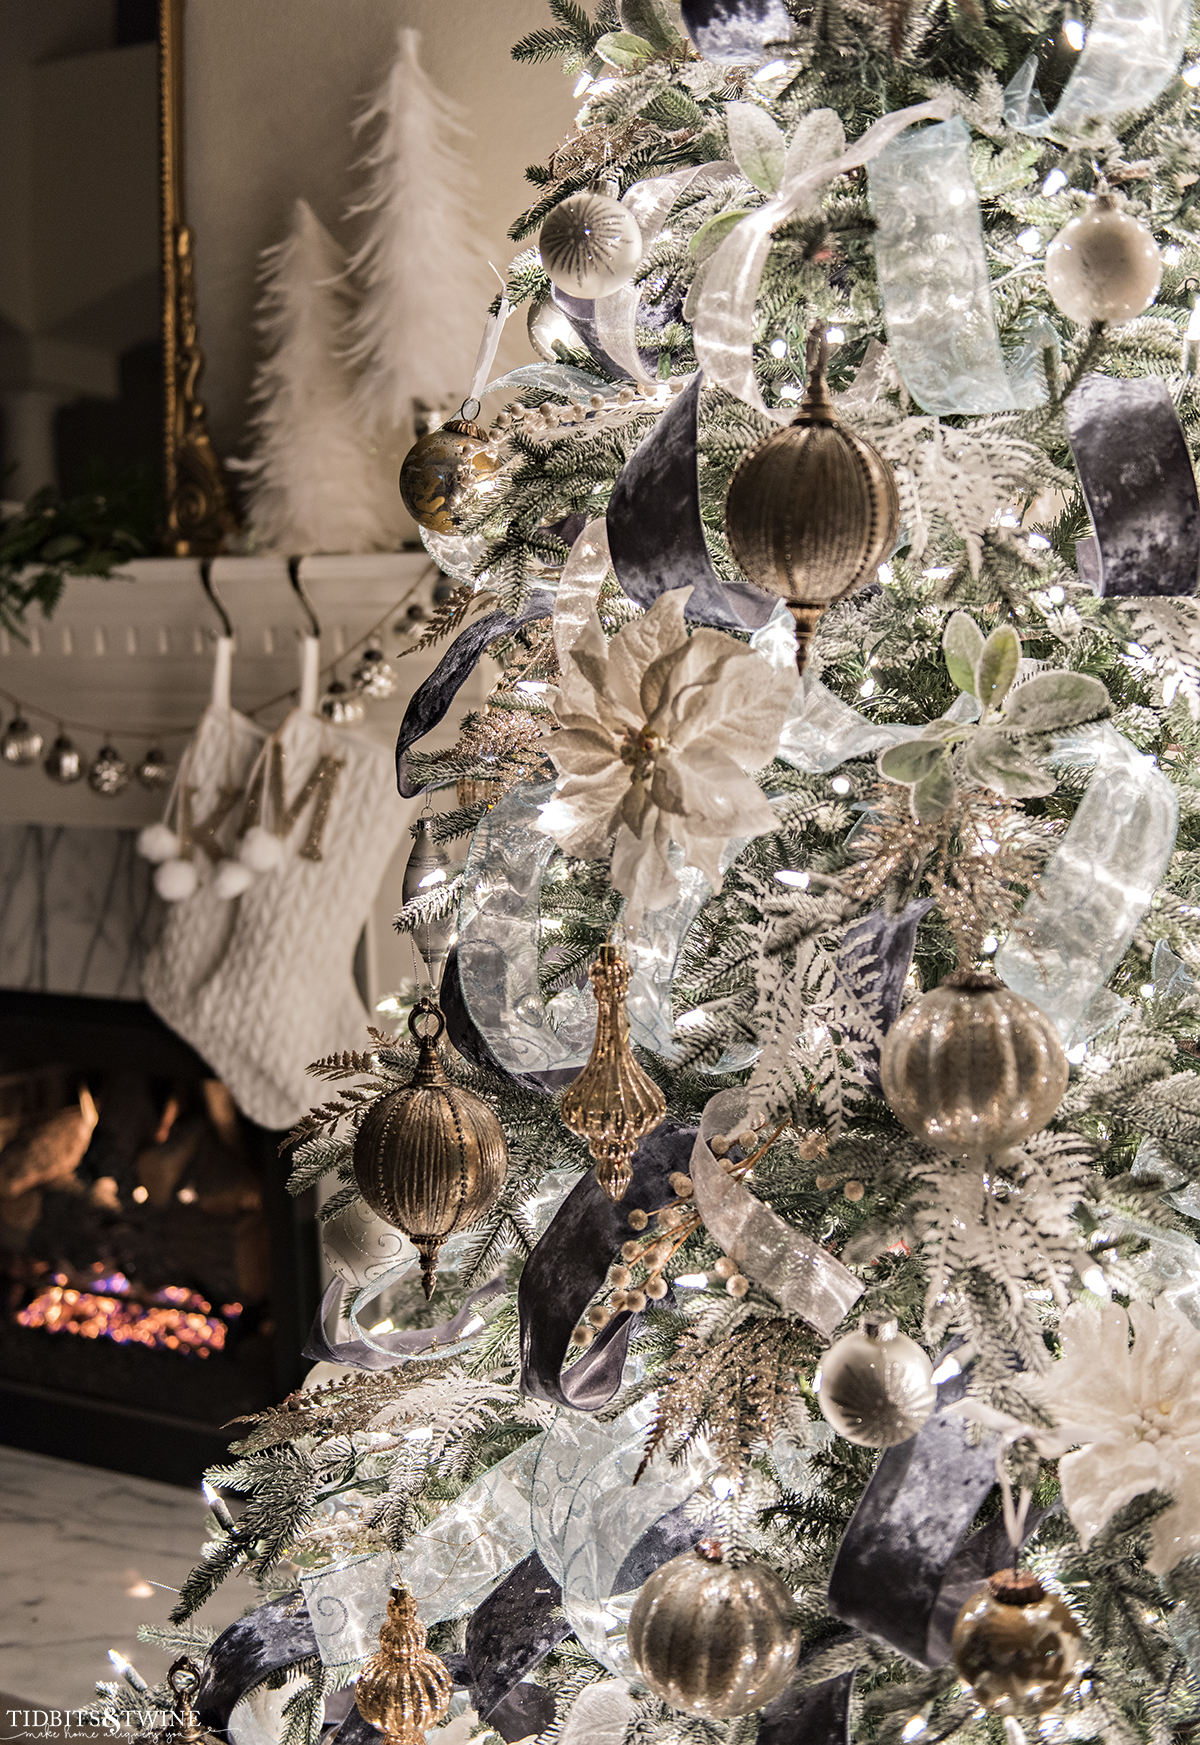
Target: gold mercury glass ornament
[[430, 1158], [813, 510], [1018, 1647], [404, 1688], [612, 1104], [442, 471]]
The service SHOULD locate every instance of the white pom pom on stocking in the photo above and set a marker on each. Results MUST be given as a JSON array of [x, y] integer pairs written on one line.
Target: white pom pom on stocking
[[157, 842], [175, 880], [259, 850], [231, 878]]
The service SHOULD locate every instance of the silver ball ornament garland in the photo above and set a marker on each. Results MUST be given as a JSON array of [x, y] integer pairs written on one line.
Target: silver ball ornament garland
[[109, 775], [20, 744], [64, 762]]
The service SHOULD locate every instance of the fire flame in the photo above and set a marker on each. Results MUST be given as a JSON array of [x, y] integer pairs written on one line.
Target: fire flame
[[173, 1319]]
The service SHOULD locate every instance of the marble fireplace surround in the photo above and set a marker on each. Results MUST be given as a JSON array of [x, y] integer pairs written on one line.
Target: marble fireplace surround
[[77, 908]]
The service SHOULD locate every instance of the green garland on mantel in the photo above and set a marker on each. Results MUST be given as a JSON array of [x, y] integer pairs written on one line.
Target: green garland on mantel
[[116, 515]]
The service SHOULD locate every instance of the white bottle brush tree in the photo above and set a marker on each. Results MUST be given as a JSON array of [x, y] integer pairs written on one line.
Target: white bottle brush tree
[[415, 331], [313, 479]]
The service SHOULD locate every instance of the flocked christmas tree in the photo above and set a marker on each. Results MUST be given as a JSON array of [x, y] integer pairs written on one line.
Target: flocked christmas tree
[[313, 481], [419, 265], [625, 1461]]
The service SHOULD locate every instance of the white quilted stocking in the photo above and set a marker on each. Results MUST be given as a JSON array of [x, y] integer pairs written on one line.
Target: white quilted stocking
[[283, 992], [215, 768]]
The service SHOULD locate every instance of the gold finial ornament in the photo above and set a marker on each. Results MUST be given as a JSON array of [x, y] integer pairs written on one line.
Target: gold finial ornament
[[403, 1689], [612, 1104], [430, 1158], [813, 510]]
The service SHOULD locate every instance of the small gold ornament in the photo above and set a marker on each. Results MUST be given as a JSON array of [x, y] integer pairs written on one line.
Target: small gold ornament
[[430, 1158], [713, 1640], [1017, 1646], [612, 1104], [813, 510], [404, 1688], [442, 471], [973, 1068]]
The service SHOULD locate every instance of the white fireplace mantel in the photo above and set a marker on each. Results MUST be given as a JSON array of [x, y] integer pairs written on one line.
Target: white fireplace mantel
[[134, 653]]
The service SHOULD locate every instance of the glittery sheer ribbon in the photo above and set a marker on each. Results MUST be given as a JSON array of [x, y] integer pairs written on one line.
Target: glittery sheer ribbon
[[724, 322], [497, 962], [615, 316], [1082, 911], [930, 261], [804, 1279], [904, 1569], [1141, 494], [568, 1266], [655, 535], [1129, 57], [737, 32], [386, 1350], [591, 1528]]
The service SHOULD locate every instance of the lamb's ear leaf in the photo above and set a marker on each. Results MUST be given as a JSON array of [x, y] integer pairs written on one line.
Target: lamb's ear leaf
[[1054, 700], [934, 793], [756, 145], [962, 645], [997, 760], [997, 667], [911, 760]]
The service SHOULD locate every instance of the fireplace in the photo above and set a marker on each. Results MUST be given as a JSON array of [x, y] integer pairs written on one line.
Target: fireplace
[[158, 1278]]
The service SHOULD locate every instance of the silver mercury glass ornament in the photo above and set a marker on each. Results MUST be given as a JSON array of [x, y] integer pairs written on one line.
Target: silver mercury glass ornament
[[372, 675], [155, 770], [20, 744], [875, 1386], [428, 867], [109, 775], [341, 707], [64, 762]]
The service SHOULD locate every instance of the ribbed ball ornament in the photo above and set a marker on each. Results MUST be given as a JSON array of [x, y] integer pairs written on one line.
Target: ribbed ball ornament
[[813, 510], [430, 1158], [972, 1067], [712, 1639]]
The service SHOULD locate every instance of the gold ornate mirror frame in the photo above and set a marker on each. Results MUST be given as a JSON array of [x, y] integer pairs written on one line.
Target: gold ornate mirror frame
[[200, 512]]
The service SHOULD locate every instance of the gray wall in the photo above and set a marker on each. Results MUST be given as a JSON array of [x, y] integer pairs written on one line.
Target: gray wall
[[272, 89]]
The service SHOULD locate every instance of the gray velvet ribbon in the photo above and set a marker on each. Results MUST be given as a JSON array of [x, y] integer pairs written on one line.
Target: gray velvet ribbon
[[655, 534], [429, 702], [1136, 474], [903, 1570], [872, 964], [567, 1268], [737, 32]]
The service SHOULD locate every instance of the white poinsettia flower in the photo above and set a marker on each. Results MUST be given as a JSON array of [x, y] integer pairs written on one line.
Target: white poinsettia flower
[[1137, 1408], [658, 731]]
